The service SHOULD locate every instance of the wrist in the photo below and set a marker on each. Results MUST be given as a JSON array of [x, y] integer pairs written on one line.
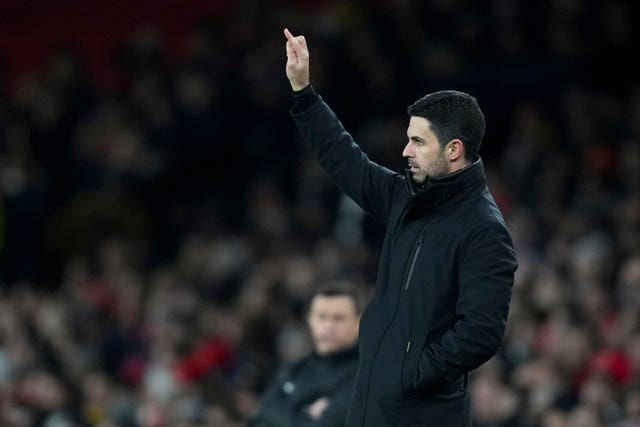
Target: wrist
[[299, 86], [304, 98]]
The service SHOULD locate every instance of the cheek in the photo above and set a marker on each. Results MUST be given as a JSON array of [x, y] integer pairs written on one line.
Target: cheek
[[435, 153], [426, 156], [348, 331]]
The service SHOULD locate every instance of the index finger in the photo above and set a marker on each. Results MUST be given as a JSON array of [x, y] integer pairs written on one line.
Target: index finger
[[288, 35], [295, 43]]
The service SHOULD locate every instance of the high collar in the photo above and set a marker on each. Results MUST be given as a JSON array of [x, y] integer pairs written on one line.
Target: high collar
[[447, 190], [345, 353]]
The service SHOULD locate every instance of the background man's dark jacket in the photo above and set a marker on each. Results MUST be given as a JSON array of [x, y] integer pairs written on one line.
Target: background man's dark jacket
[[443, 286], [300, 384]]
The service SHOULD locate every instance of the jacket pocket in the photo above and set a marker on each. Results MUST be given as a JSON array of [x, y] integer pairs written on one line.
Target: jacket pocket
[[452, 390], [409, 368]]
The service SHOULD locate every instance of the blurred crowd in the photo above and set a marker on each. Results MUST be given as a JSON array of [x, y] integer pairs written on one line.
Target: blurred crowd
[[159, 242]]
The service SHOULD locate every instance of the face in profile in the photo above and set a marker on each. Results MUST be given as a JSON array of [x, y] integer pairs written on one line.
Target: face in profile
[[425, 157], [333, 322]]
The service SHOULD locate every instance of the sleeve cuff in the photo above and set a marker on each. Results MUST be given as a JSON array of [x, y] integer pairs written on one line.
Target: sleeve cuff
[[428, 374], [304, 98]]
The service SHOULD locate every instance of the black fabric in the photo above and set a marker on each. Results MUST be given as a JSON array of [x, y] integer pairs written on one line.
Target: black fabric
[[297, 386], [443, 286], [305, 97]]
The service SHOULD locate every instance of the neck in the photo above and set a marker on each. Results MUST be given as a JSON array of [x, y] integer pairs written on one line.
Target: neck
[[415, 188], [446, 191], [458, 164]]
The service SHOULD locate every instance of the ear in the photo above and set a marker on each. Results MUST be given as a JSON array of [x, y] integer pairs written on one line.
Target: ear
[[454, 150]]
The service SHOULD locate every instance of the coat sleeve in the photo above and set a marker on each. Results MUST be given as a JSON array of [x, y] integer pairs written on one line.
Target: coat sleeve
[[486, 273], [278, 410], [367, 183], [335, 414], [274, 410]]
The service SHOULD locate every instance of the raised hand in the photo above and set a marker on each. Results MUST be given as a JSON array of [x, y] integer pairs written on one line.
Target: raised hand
[[297, 61]]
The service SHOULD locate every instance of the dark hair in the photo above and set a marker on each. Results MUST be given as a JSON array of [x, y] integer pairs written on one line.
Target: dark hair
[[452, 114], [335, 288]]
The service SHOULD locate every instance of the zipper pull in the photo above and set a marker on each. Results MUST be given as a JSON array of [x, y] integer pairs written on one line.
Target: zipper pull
[[413, 262], [408, 346]]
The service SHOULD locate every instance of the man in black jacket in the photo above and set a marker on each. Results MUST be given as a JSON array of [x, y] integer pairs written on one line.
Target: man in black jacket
[[316, 390], [447, 263]]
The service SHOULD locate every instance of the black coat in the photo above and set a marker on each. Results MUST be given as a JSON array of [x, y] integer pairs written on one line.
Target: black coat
[[443, 286], [298, 385]]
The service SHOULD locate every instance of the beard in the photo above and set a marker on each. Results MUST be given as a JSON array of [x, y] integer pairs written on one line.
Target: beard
[[437, 168]]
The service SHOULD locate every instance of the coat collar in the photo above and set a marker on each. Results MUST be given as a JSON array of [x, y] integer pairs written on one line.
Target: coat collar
[[446, 190], [340, 355]]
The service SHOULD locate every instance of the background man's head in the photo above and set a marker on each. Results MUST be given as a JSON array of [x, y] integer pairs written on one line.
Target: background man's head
[[333, 316], [445, 132]]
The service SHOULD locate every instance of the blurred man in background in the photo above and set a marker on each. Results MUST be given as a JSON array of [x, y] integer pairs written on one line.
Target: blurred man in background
[[316, 390]]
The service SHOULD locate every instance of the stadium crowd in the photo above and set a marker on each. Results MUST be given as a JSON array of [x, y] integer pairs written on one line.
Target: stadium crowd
[[159, 242]]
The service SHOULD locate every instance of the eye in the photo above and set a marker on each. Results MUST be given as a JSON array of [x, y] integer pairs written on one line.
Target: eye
[[417, 141]]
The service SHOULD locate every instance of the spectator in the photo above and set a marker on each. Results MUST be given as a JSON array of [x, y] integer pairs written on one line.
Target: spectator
[[316, 390]]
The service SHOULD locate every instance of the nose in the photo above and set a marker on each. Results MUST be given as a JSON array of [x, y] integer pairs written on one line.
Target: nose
[[407, 152]]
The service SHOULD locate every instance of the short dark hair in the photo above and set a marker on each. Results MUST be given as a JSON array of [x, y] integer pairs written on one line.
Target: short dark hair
[[452, 114], [335, 288]]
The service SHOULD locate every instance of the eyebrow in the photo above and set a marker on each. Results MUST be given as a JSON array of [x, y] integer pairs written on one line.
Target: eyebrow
[[416, 138]]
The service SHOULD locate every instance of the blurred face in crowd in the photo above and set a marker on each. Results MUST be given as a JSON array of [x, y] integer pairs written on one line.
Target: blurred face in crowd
[[333, 321], [423, 152]]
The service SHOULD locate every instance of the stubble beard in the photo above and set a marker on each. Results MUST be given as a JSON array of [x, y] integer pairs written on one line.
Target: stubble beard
[[439, 167]]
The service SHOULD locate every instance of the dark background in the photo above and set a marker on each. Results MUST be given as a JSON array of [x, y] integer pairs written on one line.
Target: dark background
[[162, 225]]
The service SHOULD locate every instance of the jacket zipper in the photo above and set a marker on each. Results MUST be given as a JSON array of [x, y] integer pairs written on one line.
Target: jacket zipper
[[409, 276], [413, 262], [410, 273], [375, 355]]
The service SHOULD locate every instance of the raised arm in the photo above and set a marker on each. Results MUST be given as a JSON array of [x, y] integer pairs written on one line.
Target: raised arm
[[370, 185]]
